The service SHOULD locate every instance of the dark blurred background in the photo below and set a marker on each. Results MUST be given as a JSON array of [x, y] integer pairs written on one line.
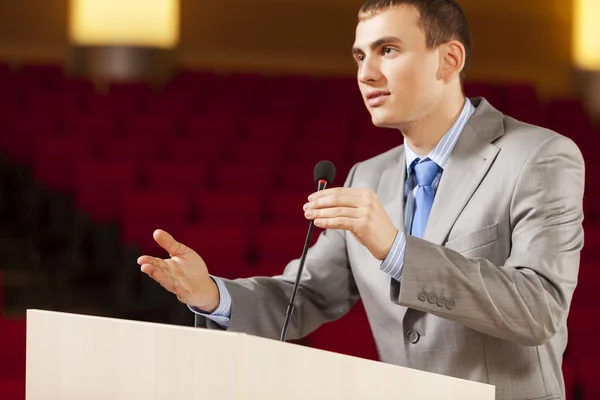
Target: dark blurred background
[[212, 131]]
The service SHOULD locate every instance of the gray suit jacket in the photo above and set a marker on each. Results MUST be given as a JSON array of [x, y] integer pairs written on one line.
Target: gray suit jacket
[[485, 294]]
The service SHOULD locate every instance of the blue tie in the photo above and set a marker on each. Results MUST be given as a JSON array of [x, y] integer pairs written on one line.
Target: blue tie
[[426, 172]]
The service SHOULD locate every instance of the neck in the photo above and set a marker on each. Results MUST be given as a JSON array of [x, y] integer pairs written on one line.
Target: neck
[[423, 134]]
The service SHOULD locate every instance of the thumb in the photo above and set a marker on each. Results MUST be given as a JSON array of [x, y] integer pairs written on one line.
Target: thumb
[[167, 242]]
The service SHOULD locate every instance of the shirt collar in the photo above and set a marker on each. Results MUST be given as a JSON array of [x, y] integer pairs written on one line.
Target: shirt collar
[[441, 152]]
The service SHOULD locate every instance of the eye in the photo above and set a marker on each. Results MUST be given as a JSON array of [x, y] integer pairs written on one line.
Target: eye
[[359, 58], [388, 50]]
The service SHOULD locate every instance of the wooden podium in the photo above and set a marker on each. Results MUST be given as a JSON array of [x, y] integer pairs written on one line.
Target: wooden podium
[[71, 356]]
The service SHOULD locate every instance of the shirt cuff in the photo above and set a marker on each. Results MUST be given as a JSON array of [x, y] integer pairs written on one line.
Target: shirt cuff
[[393, 263], [223, 312]]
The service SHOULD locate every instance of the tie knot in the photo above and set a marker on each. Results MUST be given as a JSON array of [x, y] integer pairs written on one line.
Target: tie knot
[[426, 172]]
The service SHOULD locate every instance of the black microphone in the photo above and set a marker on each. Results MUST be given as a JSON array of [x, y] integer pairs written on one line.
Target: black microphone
[[324, 173]]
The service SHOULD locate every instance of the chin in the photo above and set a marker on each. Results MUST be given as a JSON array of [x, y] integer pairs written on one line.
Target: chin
[[382, 119]]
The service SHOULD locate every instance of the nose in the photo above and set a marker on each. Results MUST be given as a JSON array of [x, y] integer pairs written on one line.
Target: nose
[[369, 70]]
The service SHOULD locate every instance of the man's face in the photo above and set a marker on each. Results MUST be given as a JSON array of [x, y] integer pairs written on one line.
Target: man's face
[[397, 74]]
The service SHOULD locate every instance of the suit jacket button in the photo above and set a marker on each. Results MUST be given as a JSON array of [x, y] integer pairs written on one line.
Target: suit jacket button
[[441, 302], [423, 296], [432, 298], [450, 304], [413, 336]]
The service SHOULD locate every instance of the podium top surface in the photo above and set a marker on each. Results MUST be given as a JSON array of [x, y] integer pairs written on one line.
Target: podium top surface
[[74, 356]]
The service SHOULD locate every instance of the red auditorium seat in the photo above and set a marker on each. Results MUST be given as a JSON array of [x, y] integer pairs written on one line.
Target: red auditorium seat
[[286, 95], [100, 186], [568, 117], [144, 211], [121, 104], [167, 175], [313, 151], [100, 125], [365, 130], [223, 247], [210, 127], [13, 356], [298, 177], [521, 101], [228, 207], [132, 89], [233, 94], [242, 83], [130, 149], [5, 71], [207, 149], [591, 248], [286, 208], [571, 378], [151, 126], [21, 129], [590, 383], [255, 176], [349, 335], [56, 160], [482, 89], [278, 244], [329, 129], [582, 329], [380, 142], [58, 103], [42, 77], [272, 128], [191, 81], [80, 86], [169, 104], [249, 150]]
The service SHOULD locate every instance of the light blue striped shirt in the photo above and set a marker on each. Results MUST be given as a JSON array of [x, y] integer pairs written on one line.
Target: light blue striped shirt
[[393, 263], [223, 312]]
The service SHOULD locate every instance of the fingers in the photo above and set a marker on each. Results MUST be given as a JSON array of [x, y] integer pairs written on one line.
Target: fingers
[[340, 199], [358, 192], [155, 261], [167, 242], [159, 276], [337, 212], [347, 224]]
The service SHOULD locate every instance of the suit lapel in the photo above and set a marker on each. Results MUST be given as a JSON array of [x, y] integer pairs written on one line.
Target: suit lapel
[[390, 191], [468, 164]]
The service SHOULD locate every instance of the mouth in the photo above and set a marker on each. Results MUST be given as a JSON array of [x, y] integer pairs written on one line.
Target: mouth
[[377, 97]]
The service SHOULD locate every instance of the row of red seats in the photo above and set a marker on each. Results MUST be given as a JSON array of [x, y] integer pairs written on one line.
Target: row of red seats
[[562, 114], [212, 127], [187, 93], [84, 174]]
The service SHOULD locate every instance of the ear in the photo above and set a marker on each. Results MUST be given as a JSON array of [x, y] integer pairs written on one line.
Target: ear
[[453, 56]]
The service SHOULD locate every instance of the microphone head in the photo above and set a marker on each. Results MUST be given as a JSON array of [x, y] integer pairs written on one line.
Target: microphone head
[[324, 170]]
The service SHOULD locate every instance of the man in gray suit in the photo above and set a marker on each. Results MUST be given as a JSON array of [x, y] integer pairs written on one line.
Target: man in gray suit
[[463, 243]]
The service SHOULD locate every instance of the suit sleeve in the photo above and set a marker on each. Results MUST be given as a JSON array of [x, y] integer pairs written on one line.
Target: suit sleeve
[[326, 292], [527, 299]]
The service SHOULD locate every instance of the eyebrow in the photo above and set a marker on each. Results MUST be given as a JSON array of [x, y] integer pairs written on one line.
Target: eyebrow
[[378, 43]]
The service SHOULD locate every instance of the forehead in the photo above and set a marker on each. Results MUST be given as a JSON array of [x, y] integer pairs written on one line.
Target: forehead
[[400, 22]]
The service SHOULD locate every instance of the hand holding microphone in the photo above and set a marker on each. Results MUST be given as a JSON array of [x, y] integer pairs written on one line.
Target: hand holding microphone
[[356, 210]]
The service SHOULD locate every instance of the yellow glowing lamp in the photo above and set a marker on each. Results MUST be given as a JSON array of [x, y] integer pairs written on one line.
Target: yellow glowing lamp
[[148, 23], [586, 35]]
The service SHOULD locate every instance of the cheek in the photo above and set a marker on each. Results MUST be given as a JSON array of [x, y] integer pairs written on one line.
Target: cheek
[[405, 74]]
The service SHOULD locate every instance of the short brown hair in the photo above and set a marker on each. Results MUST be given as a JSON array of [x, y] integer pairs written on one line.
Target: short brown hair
[[440, 20]]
